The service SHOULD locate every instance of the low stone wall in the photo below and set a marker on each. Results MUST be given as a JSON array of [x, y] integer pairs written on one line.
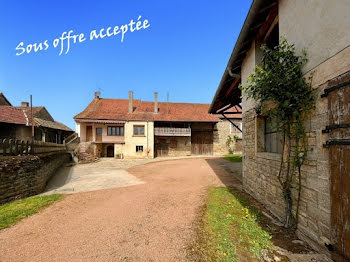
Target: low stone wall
[[24, 176]]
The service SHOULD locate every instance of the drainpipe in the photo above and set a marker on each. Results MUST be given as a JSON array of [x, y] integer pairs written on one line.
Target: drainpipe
[[147, 140]]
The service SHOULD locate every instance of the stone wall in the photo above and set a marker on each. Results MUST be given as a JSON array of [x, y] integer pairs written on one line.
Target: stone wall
[[222, 130], [178, 145], [24, 176], [260, 168]]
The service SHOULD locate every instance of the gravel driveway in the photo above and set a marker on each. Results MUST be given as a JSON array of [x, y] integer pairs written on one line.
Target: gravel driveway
[[149, 221]]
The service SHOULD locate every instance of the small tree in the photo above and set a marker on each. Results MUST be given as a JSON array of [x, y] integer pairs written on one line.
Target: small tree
[[279, 81]]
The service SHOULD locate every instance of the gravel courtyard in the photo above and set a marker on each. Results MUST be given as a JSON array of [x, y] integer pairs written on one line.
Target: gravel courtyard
[[149, 219]]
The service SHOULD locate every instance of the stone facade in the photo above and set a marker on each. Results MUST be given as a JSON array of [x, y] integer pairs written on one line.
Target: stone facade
[[24, 176], [300, 22], [178, 145], [260, 169], [222, 130], [125, 146]]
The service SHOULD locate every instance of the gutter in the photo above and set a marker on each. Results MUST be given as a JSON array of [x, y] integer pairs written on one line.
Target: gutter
[[254, 9]]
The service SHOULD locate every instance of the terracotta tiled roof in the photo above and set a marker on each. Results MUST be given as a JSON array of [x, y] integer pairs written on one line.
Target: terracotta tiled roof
[[51, 124], [38, 112], [12, 115], [36, 109], [117, 109]]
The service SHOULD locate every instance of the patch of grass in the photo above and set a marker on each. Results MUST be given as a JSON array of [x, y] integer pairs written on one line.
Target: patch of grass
[[13, 212], [229, 229], [233, 157]]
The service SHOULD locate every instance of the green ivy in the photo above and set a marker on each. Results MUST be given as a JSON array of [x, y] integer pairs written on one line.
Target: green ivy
[[282, 93]]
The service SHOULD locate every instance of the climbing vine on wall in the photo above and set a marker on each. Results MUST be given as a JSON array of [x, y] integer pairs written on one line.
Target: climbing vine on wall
[[282, 93], [230, 143]]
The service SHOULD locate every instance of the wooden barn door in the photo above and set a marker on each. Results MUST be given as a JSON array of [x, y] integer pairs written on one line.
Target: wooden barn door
[[340, 197], [202, 143], [161, 148], [338, 143]]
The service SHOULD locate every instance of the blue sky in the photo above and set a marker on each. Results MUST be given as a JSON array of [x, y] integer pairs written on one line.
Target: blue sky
[[183, 52]]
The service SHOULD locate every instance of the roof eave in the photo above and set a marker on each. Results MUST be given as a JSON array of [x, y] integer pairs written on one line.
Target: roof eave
[[254, 8]]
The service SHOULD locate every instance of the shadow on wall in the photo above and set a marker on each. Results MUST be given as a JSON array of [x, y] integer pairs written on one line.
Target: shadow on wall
[[60, 178]]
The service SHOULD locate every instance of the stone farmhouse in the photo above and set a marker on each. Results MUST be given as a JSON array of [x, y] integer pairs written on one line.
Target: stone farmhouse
[[131, 128], [15, 123], [320, 27]]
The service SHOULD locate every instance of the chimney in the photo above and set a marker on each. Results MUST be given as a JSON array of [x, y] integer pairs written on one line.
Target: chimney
[[131, 108], [24, 104], [97, 95], [156, 102]]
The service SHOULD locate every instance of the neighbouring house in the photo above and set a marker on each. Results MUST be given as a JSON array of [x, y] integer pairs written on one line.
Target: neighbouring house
[[320, 27], [131, 128], [15, 123]]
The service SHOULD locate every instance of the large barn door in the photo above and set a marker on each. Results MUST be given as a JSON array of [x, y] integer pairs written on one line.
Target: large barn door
[[202, 143], [338, 94], [161, 148]]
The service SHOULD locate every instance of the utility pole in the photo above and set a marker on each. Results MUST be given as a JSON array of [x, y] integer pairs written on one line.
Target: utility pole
[[31, 117]]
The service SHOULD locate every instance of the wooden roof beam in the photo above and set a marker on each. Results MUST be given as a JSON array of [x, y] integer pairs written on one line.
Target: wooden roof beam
[[274, 23], [232, 86], [267, 7], [268, 22]]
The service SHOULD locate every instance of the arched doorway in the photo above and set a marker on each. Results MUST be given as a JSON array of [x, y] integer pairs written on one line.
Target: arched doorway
[[110, 151]]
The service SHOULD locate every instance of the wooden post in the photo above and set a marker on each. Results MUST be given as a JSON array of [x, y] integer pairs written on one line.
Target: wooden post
[[1, 147], [31, 116], [32, 148], [16, 148], [5, 145], [10, 147], [27, 147], [32, 120], [22, 147]]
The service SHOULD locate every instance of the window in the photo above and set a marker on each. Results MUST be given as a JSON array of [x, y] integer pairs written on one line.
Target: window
[[234, 129], [139, 130], [99, 131], [272, 138], [115, 131], [139, 149]]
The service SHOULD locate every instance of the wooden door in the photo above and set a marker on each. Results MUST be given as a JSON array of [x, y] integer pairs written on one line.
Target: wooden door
[[202, 143], [98, 134], [89, 133], [110, 151], [340, 197], [161, 148], [338, 144]]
